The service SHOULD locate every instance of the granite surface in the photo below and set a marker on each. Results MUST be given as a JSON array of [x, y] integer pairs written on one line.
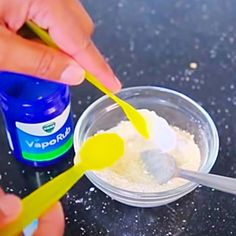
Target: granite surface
[[189, 46]]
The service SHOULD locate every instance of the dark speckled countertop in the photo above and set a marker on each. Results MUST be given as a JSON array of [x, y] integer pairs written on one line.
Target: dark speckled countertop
[[154, 42]]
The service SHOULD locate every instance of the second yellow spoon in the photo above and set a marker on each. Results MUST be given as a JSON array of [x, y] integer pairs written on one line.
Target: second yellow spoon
[[98, 152], [132, 114]]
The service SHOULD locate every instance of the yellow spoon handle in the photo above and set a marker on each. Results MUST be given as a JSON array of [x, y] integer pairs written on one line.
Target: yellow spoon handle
[[133, 115], [35, 204], [42, 34]]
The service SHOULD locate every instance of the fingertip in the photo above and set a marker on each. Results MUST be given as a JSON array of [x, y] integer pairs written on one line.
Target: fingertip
[[112, 83], [53, 217], [10, 208]]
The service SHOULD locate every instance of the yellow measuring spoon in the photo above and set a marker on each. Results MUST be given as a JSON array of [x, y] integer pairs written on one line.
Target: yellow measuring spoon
[[98, 152], [132, 114]]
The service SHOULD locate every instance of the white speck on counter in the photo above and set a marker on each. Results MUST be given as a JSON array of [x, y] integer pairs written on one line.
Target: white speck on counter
[[130, 173], [193, 65], [120, 5], [91, 189], [79, 200]]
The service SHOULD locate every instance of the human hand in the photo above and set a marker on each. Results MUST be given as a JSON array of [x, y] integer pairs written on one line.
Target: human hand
[[70, 27], [51, 223]]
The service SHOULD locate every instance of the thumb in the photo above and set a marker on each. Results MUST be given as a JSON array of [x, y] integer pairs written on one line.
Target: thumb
[[20, 55], [10, 208], [47, 222]]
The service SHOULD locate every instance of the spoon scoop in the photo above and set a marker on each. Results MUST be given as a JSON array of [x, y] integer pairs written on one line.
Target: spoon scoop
[[163, 167], [98, 152]]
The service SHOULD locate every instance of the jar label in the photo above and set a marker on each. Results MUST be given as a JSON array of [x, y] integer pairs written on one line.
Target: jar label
[[47, 140]]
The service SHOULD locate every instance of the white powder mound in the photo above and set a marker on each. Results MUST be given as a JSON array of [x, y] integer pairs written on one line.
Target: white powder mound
[[130, 173], [161, 134]]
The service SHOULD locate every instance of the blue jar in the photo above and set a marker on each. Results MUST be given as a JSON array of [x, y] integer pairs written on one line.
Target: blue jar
[[37, 118]]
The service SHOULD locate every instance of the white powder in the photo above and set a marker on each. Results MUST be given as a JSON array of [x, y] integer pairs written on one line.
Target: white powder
[[130, 173]]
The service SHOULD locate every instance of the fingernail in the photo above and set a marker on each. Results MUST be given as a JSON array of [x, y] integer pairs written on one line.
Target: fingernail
[[118, 85], [113, 84], [118, 81], [73, 74]]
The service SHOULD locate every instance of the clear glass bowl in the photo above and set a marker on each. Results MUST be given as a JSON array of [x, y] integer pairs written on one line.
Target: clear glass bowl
[[177, 109]]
